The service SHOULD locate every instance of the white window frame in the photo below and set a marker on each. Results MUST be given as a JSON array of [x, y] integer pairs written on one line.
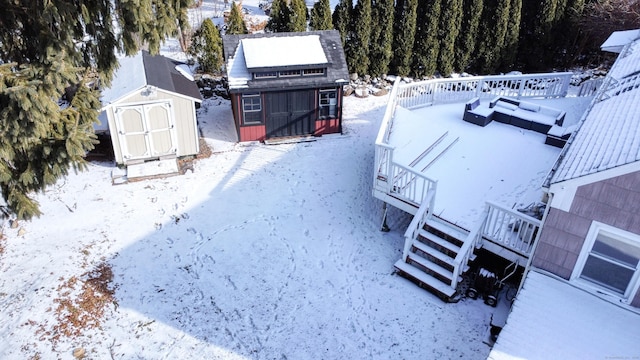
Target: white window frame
[[629, 238], [331, 104]]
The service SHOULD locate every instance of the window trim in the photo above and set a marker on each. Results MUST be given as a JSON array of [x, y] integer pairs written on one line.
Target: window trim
[[321, 106], [289, 73], [245, 111], [313, 72], [629, 238], [265, 75]]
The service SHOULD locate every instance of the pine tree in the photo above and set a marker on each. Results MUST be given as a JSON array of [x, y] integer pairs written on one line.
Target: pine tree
[[299, 15], [358, 55], [50, 52], [466, 42], [427, 47], [279, 16], [320, 18], [403, 36], [235, 23], [512, 37], [492, 35], [450, 23], [206, 47], [342, 20], [380, 51]]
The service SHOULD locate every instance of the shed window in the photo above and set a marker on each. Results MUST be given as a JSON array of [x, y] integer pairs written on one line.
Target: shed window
[[289, 73], [252, 108], [328, 103], [610, 261], [265, 75], [312, 72]]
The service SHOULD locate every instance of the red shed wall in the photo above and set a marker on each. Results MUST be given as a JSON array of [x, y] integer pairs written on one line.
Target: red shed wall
[[614, 201]]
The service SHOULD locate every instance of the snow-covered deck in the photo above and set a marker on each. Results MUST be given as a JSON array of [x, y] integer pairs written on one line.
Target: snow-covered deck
[[500, 163]]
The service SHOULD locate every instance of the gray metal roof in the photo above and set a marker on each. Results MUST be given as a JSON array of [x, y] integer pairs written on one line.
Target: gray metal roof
[[240, 77], [143, 69], [609, 132]]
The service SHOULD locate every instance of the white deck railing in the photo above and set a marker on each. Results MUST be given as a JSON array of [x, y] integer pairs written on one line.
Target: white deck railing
[[510, 229], [417, 224], [440, 91]]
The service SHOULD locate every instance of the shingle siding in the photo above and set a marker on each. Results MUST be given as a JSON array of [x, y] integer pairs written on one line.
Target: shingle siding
[[614, 201]]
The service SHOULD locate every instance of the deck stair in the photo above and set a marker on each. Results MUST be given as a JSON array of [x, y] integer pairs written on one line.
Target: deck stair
[[430, 261]]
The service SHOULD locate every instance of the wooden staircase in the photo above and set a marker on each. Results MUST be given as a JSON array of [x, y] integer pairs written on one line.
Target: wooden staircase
[[431, 258]]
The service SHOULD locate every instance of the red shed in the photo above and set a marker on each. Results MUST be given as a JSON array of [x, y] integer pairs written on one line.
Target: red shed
[[286, 84]]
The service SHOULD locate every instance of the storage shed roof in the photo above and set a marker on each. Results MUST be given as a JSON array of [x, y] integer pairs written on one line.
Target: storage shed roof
[[144, 69], [278, 51]]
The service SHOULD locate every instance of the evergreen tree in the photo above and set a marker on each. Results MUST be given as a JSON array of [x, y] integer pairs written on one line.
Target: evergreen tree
[[427, 46], [320, 18], [279, 16], [403, 36], [381, 37], [235, 22], [53, 51], [206, 47], [492, 35], [358, 55], [466, 42], [450, 23], [342, 20], [512, 37], [299, 15]]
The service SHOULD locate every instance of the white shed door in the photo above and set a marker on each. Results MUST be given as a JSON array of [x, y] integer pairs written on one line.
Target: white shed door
[[146, 130]]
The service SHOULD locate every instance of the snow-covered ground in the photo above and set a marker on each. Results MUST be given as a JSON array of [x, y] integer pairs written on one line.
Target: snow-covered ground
[[262, 252]]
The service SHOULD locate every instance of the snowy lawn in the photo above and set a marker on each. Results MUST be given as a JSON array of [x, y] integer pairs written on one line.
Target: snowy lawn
[[262, 252]]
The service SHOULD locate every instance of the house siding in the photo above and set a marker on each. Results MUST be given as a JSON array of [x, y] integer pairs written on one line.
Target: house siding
[[614, 201]]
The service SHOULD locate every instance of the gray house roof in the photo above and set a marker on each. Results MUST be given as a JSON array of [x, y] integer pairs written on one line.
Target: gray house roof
[[144, 69], [279, 51], [609, 132]]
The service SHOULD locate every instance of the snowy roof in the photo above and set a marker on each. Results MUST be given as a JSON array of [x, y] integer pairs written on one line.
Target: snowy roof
[[268, 51], [553, 319], [245, 54], [142, 69], [618, 39], [609, 134]]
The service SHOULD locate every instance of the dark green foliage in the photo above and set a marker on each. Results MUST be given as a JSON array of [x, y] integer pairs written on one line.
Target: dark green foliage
[[320, 18], [380, 50], [53, 50], [358, 54], [279, 17], [206, 47], [235, 22], [450, 23], [299, 15], [404, 32], [510, 47], [342, 20], [427, 47], [466, 42], [492, 35]]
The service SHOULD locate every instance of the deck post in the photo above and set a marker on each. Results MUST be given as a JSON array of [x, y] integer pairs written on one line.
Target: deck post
[[384, 227]]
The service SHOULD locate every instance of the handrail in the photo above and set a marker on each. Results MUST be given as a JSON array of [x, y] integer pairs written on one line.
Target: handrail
[[437, 91], [511, 229], [466, 250], [417, 224]]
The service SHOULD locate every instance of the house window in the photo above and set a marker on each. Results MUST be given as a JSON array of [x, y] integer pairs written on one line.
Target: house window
[[312, 72], [610, 261], [265, 75], [289, 73], [328, 103], [252, 108]]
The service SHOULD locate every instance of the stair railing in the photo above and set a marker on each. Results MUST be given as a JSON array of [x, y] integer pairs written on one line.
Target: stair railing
[[425, 212], [510, 228], [466, 250]]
